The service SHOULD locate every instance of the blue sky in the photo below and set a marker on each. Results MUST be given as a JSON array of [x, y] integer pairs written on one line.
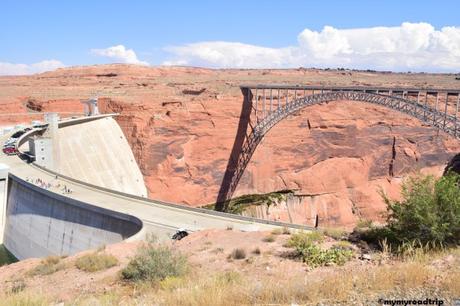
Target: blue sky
[[230, 34]]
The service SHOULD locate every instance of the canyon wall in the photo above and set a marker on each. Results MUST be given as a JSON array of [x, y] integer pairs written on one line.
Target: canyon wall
[[181, 124], [336, 157]]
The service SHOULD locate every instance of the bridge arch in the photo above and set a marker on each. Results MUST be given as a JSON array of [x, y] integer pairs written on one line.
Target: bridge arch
[[256, 121]]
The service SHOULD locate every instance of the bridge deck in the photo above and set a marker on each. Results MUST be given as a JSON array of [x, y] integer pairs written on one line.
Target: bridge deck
[[348, 88]]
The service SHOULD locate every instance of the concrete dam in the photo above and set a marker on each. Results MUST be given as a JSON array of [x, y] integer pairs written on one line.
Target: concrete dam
[[75, 185]]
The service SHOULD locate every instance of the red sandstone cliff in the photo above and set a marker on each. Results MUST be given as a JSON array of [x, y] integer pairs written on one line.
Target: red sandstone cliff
[[181, 123]]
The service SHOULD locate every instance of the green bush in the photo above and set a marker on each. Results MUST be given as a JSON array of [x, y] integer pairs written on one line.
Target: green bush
[[304, 238], [314, 256], [427, 215], [155, 263], [306, 248], [95, 262]]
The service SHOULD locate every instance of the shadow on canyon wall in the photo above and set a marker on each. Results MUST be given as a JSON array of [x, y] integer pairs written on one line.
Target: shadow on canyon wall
[[232, 166]]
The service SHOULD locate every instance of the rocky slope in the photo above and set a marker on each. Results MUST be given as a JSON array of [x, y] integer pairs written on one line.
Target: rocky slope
[[266, 272], [181, 123]]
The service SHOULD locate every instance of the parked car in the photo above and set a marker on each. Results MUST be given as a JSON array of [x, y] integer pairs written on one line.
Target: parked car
[[18, 134], [9, 142], [10, 150], [181, 233]]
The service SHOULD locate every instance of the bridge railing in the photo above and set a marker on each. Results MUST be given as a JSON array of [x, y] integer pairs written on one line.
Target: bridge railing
[[436, 107]]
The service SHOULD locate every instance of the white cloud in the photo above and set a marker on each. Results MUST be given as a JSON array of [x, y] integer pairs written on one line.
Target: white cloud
[[120, 53], [410, 46], [22, 69], [227, 54]]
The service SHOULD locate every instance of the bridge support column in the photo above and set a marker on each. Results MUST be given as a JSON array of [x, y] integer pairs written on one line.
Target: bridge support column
[[456, 114], [4, 169], [445, 110], [256, 100], [418, 102], [264, 102], [436, 108], [426, 103], [271, 100]]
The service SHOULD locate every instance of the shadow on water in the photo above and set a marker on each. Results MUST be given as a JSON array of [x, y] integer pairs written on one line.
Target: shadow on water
[[6, 257]]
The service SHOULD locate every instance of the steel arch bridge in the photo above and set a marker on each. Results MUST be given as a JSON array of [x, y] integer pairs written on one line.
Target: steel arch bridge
[[266, 105]]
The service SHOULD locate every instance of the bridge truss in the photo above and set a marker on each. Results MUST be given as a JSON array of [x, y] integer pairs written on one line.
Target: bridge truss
[[266, 105]]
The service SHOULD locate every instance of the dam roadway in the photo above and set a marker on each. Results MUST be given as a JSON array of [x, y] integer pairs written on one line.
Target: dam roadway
[[42, 219]]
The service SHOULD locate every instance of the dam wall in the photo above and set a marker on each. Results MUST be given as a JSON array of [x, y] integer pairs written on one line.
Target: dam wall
[[107, 203], [41, 223], [98, 153], [3, 191]]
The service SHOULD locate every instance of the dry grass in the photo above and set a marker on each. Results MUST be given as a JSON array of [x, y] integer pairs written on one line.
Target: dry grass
[[452, 283], [305, 237], [269, 238], [47, 266], [96, 262], [220, 290], [362, 284], [24, 299], [335, 233]]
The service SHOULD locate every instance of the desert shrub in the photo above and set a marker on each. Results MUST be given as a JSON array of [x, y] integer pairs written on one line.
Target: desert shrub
[[238, 253], [314, 256], [335, 233], [17, 286], [343, 244], [155, 263], [257, 251], [302, 238], [277, 231], [306, 248], [47, 266], [269, 238], [95, 262], [286, 230], [428, 214], [364, 223], [218, 250]]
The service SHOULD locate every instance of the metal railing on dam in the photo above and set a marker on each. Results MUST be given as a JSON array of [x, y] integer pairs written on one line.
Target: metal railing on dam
[[266, 105], [45, 221]]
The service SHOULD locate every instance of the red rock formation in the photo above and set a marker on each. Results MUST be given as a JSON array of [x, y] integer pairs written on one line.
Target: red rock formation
[[181, 123]]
